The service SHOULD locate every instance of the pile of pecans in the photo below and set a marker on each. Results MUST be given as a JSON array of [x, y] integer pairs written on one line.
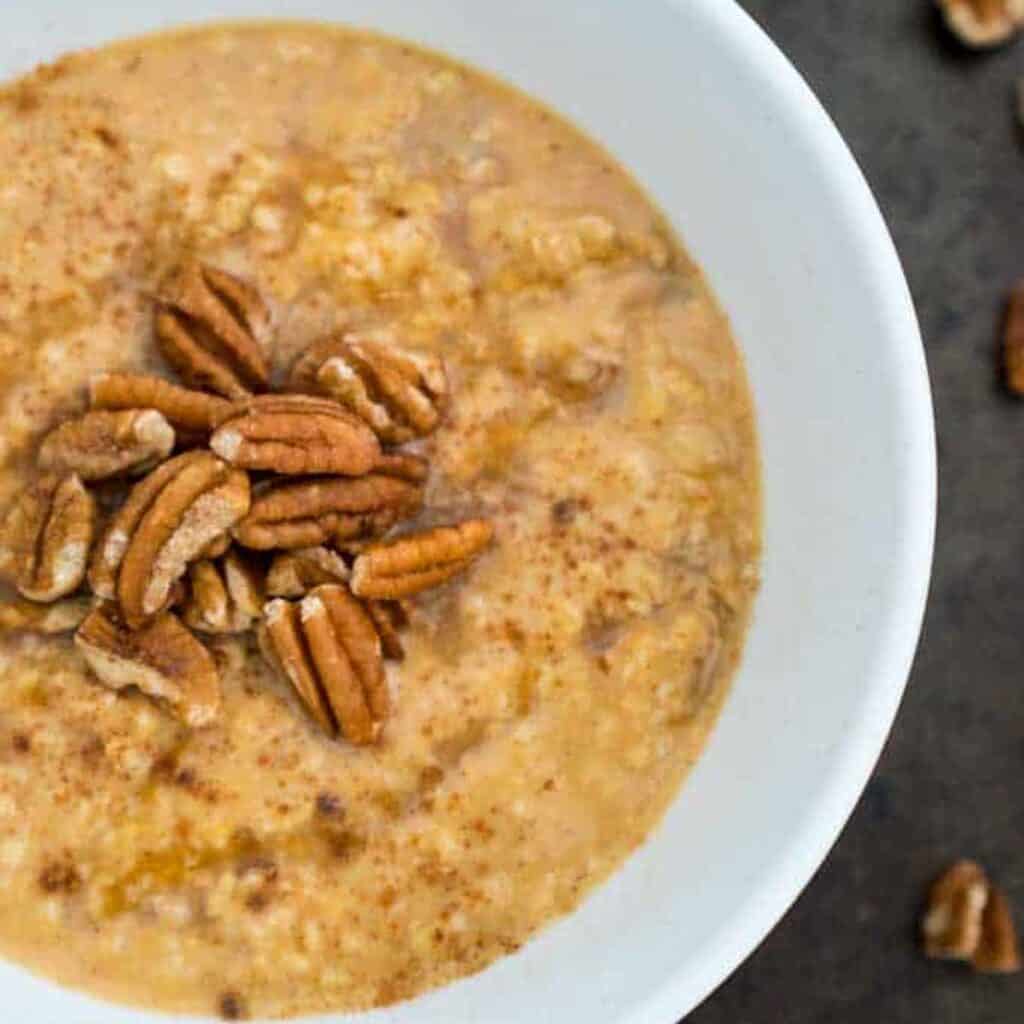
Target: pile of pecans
[[251, 510]]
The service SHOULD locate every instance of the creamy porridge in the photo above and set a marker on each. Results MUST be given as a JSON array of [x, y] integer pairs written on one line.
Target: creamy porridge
[[236, 858]]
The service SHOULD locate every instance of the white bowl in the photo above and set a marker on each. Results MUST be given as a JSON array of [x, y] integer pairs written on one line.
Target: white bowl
[[699, 104]]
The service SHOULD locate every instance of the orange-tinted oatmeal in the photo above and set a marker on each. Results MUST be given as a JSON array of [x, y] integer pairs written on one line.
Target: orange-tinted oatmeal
[[550, 703]]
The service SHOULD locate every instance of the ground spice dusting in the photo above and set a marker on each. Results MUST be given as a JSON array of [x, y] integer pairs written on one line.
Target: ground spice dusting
[[59, 877]]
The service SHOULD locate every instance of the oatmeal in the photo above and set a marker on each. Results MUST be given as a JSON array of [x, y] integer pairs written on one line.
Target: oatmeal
[[565, 455]]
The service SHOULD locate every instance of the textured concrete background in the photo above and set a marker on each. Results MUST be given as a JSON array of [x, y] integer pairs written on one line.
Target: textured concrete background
[[933, 127]]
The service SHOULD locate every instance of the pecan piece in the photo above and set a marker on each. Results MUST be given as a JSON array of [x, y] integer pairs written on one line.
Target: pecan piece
[[399, 395], [404, 466], [419, 561], [295, 434], [211, 327], [225, 596], [956, 904], [45, 619], [163, 659], [1013, 341], [328, 648], [983, 23], [969, 919], [307, 513], [998, 951], [192, 413], [295, 573], [102, 443], [46, 535], [168, 520]]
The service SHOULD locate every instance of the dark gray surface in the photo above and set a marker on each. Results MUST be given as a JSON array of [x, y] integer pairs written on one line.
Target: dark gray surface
[[933, 127]]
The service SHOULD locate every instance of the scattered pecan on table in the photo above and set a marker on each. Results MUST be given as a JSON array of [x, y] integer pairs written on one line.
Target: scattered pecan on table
[[983, 23], [968, 919], [1013, 341]]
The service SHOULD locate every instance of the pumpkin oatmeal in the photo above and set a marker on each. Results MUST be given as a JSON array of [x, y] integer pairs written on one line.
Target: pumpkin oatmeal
[[382, 519]]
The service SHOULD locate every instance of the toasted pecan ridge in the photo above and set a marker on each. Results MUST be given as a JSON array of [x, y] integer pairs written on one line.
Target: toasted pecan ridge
[[163, 659], [419, 561], [211, 327], [194, 413], [404, 466], [296, 434], [399, 395], [45, 537], [389, 617], [307, 513], [104, 443]]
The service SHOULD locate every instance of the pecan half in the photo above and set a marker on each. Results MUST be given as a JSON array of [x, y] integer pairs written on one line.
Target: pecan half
[[983, 23], [225, 596], [295, 434], [46, 535], [969, 919], [283, 644], [307, 513], [295, 573], [419, 561], [163, 659], [193, 413], [169, 519], [29, 617], [399, 395], [102, 443], [328, 648], [211, 327]]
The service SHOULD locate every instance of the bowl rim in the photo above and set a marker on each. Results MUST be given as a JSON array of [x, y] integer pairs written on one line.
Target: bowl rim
[[855, 760], [850, 767]]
